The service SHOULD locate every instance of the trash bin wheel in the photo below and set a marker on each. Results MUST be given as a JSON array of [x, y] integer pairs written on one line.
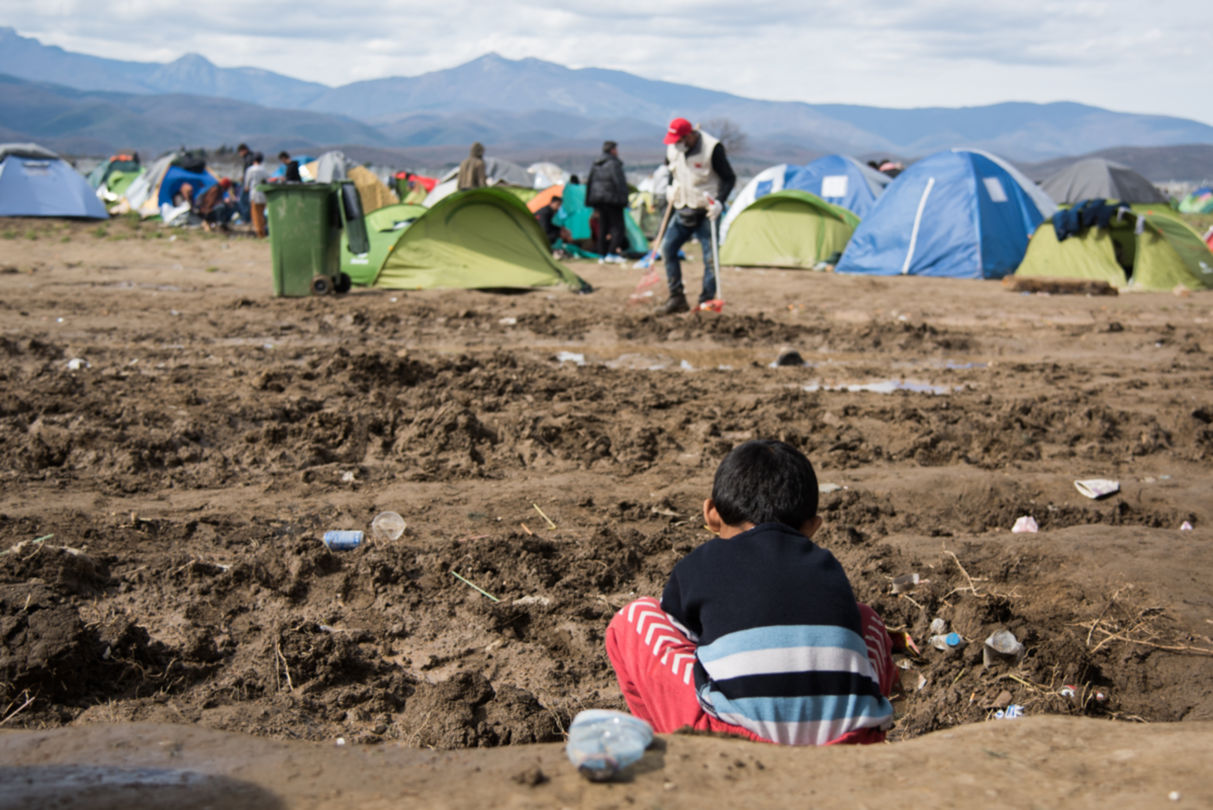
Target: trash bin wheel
[[343, 283], [322, 285]]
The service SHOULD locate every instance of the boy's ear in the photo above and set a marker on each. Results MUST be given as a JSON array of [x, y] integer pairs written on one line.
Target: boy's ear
[[811, 526], [711, 517]]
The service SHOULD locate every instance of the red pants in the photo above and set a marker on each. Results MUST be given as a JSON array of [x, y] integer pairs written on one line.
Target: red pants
[[654, 664]]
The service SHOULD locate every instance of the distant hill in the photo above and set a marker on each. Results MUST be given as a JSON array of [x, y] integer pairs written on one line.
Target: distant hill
[[525, 108], [90, 122], [1160, 164], [27, 58]]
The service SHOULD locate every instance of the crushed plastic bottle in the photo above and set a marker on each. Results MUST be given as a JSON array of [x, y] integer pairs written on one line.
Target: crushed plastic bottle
[[947, 641], [387, 526], [1001, 646], [603, 742]]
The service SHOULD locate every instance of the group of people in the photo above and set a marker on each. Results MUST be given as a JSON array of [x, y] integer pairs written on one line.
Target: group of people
[[222, 202]]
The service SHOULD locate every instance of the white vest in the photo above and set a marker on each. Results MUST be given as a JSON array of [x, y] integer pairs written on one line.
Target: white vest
[[692, 180]]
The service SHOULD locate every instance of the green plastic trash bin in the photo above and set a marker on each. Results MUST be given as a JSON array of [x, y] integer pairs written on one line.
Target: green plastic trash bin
[[305, 237]]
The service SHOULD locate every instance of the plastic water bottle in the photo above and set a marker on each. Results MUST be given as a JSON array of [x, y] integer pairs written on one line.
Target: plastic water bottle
[[603, 742], [342, 540]]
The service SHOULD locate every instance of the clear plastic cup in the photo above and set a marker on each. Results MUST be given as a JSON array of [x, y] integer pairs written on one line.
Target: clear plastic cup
[[387, 526]]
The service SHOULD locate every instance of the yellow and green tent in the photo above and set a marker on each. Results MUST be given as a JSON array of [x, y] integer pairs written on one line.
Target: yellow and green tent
[[1139, 251], [789, 228], [482, 238]]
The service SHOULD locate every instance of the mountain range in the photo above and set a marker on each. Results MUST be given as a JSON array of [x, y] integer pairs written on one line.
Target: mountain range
[[526, 109]]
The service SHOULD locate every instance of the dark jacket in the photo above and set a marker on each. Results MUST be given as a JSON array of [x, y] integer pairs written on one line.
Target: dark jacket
[[607, 184]]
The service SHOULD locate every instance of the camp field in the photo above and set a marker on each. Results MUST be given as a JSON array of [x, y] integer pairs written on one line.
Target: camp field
[[177, 441]]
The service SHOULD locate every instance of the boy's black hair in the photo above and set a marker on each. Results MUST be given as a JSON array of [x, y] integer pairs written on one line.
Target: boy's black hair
[[765, 481]]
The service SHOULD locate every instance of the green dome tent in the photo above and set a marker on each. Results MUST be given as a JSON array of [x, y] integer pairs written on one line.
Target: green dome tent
[[483, 238], [789, 228], [1165, 254], [383, 227]]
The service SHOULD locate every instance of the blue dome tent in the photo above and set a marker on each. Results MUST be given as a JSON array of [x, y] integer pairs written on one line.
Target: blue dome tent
[[961, 213], [838, 179], [35, 182]]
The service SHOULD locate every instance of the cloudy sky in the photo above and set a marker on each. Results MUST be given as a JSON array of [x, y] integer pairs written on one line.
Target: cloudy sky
[[1128, 55]]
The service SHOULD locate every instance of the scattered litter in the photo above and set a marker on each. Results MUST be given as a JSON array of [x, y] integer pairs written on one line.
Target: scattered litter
[[1001, 646], [1101, 696], [789, 357], [685, 366], [551, 525], [906, 583], [827, 488], [1025, 524], [570, 357], [77, 363], [341, 740], [58, 320], [1173, 795], [938, 626], [1096, 488], [903, 641], [342, 540], [947, 642], [543, 601], [475, 587], [347, 477], [1010, 713], [393, 299], [387, 526], [174, 312], [1186, 526], [508, 320], [1068, 691], [886, 387], [603, 742]]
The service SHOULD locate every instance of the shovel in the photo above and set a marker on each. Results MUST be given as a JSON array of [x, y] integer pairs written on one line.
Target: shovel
[[717, 303], [652, 276]]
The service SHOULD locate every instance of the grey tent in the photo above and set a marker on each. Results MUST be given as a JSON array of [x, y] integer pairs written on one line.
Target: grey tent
[[497, 172], [1095, 178]]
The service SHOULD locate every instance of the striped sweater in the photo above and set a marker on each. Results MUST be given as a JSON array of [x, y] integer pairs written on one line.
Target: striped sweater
[[780, 647]]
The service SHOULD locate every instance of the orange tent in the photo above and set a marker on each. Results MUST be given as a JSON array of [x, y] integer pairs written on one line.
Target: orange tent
[[544, 197]]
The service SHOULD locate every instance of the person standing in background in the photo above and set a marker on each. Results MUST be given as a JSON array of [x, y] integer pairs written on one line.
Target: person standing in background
[[254, 177], [471, 170], [606, 191], [701, 179]]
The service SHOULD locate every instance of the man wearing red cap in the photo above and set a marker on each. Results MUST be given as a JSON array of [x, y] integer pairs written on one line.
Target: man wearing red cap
[[701, 180]]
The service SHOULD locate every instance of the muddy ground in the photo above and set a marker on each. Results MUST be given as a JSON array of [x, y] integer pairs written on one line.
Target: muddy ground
[[176, 441]]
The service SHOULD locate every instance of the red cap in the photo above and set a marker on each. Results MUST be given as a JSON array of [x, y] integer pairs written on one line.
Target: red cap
[[225, 181], [678, 128]]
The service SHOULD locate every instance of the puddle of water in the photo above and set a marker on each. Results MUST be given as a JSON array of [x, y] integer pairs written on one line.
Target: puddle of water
[[84, 777], [570, 357], [886, 387]]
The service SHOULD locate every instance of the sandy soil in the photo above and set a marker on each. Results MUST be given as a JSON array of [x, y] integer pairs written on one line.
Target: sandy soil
[[186, 439]]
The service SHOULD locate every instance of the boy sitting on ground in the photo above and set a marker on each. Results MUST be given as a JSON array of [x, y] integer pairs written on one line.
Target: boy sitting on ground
[[758, 633]]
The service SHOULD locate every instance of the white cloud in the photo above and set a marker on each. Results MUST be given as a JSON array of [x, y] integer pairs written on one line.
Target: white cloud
[[1120, 54]]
